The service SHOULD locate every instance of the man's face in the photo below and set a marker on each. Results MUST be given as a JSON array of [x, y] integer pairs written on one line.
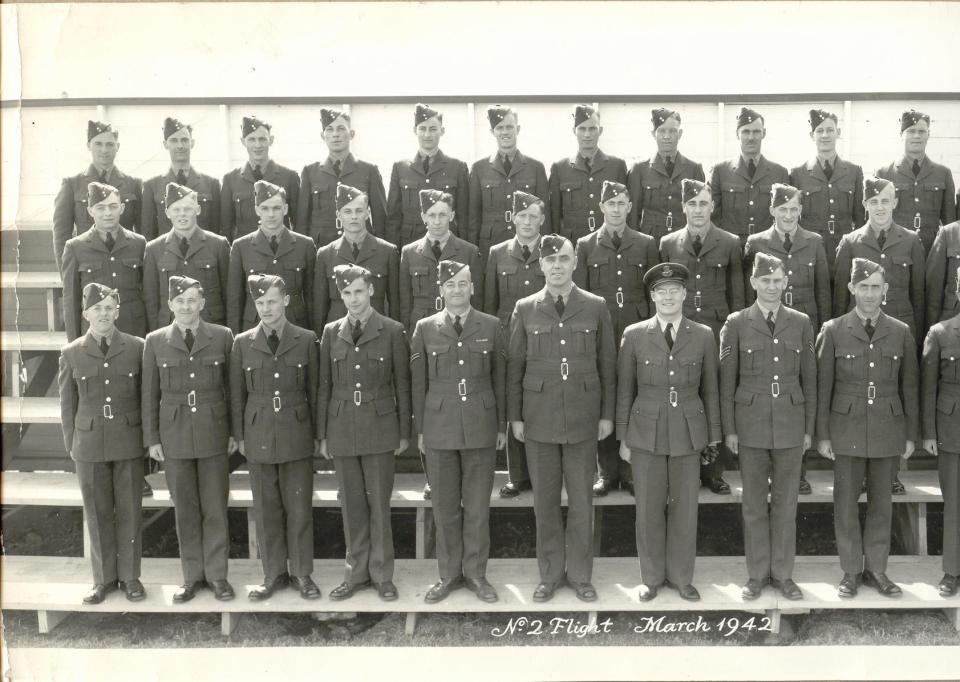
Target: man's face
[[751, 137], [103, 316], [457, 290], [769, 286], [106, 214], [183, 213], [528, 221], [869, 293], [103, 149], [186, 307], [271, 307], [429, 133], [915, 138], [179, 145], [356, 297], [699, 208], [615, 210], [880, 207], [558, 267], [505, 133], [353, 216], [258, 144], [667, 136], [787, 215], [588, 135], [825, 136], [337, 135], [668, 298], [437, 219], [271, 213]]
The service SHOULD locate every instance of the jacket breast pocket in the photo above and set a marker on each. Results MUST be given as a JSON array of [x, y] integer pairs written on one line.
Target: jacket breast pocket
[[849, 363], [899, 275], [950, 363], [91, 271], [253, 374], [80, 214], [480, 357], [378, 365], [714, 272], [649, 369], [88, 381], [734, 198], [170, 371], [438, 359], [655, 196], [572, 196], [131, 272], [751, 357], [206, 270], [584, 339], [293, 278], [690, 368], [842, 200], [636, 269], [598, 271], [320, 197], [422, 280], [811, 203], [932, 196], [213, 371], [492, 192], [338, 360], [539, 340], [244, 208], [296, 372], [789, 359], [507, 278]]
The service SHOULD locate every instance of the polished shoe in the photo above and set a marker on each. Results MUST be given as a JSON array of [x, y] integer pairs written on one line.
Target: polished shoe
[[805, 488], [602, 487], [544, 591], [147, 491], [788, 589], [514, 488], [585, 590], [897, 487], [426, 491], [99, 592], [647, 592], [483, 589], [752, 588], [187, 591], [848, 585], [689, 592], [305, 586], [222, 590], [346, 590], [441, 590], [718, 486], [269, 586], [387, 591], [882, 584], [948, 585], [628, 486], [133, 590]]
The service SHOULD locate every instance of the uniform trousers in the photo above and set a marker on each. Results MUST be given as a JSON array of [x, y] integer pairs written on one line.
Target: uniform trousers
[[948, 465], [199, 488], [366, 484], [609, 464], [667, 496], [554, 466], [463, 534], [725, 460], [516, 459], [872, 543], [770, 531], [112, 498], [283, 512]]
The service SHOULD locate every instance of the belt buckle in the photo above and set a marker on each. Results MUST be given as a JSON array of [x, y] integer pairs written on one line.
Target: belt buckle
[[775, 389], [192, 399], [107, 412], [871, 392], [276, 403], [916, 222], [750, 227], [669, 222], [674, 399], [462, 387], [788, 298], [620, 298], [508, 216], [357, 395], [564, 370], [591, 223], [831, 226], [438, 303], [697, 299]]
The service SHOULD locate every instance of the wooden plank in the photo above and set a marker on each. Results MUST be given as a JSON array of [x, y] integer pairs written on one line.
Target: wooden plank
[[252, 545], [30, 410], [410, 624], [30, 280], [229, 621], [953, 617], [48, 620]]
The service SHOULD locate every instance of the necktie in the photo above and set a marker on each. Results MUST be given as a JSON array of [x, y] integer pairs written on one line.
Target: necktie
[[103, 176], [916, 167], [181, 177], [751, 168], [526, 252], [457, 326], [771, 324], [559, 306], [586, 162], [668, 166], [273, 341], [507, 166], [436, 249], [274, 245], [697, 244], [827, 169], [184, 246], [109, 241], [257, 173], [787, 243], [668, 335], [868, 327], [356, 251], [336, 167], [426, 165], [357, 331], [616, 240], [188, 338], [882, 238], [104, 346]]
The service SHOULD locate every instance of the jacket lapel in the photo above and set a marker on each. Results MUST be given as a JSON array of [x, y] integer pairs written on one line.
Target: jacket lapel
[[882, 328], [203, 338], [288, 339], [445, 327], [855, 327], [757, 321], [260, 340], [710, 240], [372, 329], [655, 335], [573, 304], [91, 347], [175, 338], [545, 305]]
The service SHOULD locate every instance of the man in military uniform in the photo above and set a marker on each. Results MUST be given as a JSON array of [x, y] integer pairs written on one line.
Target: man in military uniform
[[186, 425], [655, 182], [714, 259], [238, 215], [189, 251], [273, 249], [668, 413], [493, 181], [70, 206], [768, 391], [561, 389], [363, 422], [100, 416], [513, 272], [611, 263], [940, 397], [941, 280], [831, 189], [458, 371], [429, 169], [576, 181], [273, 389], [867, 417], [318, 207], [926, 196], [178, 140], [741, 187], [356, 246]]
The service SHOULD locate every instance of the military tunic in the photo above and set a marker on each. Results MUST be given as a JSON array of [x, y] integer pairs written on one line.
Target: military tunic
[[317, 205], [941, 277], [238, 215], [924, 201], [153, 216], [575, 193], [657, 199], [419, 292], [404, 222], [741, 204]]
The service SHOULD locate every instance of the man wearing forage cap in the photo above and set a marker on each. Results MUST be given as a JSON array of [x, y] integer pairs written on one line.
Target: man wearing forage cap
[[272, 249], [99, 384], [867, 418], [178, 140], [741, 187], [576, 181], [186, 250], [655, 182], [359, 247], [70, 213], [238, 215], [273, 389], [458, 370], [925, 190], [493, 181], [428, 169], [831, 188], [318, 203]]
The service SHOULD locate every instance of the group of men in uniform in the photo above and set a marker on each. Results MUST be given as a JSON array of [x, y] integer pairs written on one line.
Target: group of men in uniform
[[277, 313]]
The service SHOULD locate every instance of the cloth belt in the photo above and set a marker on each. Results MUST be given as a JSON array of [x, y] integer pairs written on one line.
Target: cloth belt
[[192, 398], [459, 387], [668, 395], [549, 368], [105, 410], [277, 402], [358, 396], [759, 386], [866, 390]]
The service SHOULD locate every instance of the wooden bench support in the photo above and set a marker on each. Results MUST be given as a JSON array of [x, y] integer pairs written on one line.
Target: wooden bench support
[[774, 616], [910, 523], [597, 529], [48, 620], [426, 538], [253, 546], [229, 620], [953, 617], [410, 625]]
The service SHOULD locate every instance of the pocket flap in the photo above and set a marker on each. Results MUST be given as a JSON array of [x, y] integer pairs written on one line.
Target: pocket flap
[[293, 362], [83, 423], [570, 186], [86, 373], [214, 361], [946, 404], [896, 409], [592, 383], [434, 348], [169, 412], [168, 362], [842, 403], [507, 268], [253, 363], [796, 397], [434, 401], [655, 361], [532, 384], [692, 409], [132, 262], [90, 266], [419, 270], [489, 400], [385, 406], [132, 419], [743, 396], [302, 413], [219, 410]]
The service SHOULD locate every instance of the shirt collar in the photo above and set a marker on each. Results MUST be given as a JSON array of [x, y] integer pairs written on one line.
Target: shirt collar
[[510, 155], [531, 243], [96, 337], [613, 230], [463, 315], [663, 323], [421, 156], [565, 293], [833, 161], [443, 241], [781, 232], [359, 243], [863, 319], [193, 328], [266, 330], [364, 318], [766, 311], [668, 157]]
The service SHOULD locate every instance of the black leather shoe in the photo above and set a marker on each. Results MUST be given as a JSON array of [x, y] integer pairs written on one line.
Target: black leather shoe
[[805, 488], [346, 590], [99, 592], [133, 590], [602, 487], [222, 590], [187, 592], [752, 588], [897, 487], [788, 589], [514, 488], [387, 591], [628, 486], [269, 586], [544, 591], [718, 486], [483, 589], [647, 592], [689, 592], [585, 590], [441, 590], [948, 585], [882, 584], [147, 490], [305, 586], [848, 586], [426, 491]]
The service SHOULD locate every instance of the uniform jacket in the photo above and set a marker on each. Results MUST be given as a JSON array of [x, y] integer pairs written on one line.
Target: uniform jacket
[[273, 396], [294, 261], [923, 201], [363, 405], [419, 293], [458, 383], [207, 261], [575, 193], [667, 399], [317, 205], [186, 394], [741, 205], [237, 204], [656, 196], [941, 276], [561, 372], [768, 381], [153, 217], [851, 368], [100, 398], [378, 256], [831, 207], [509, 278], [940, 385], [86, 259], [404, 224], [70, 206]]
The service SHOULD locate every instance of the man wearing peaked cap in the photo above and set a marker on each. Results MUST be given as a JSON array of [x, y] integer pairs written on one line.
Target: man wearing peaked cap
[[272, 249], [831, 188], [655, 183], [925, 190], [71, 207], [493, 181], [238, 215], [576, 181], [319, 195], [428, 169], [941, 277], [741, 187], [273, 388], [178, 140], [867, 418], [611, 262]]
